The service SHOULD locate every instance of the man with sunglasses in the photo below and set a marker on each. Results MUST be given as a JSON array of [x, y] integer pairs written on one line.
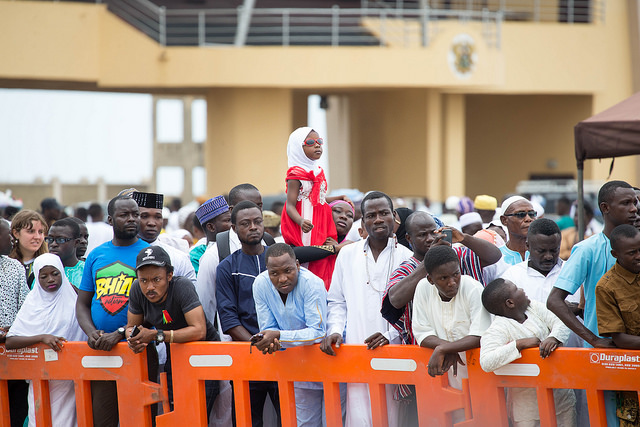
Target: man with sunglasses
[[63, 240], [517, 215]]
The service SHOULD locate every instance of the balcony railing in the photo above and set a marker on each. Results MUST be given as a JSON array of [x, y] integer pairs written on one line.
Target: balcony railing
[[398, 22]]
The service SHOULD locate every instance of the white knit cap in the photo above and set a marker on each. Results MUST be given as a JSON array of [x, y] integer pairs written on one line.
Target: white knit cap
[[470, 218], [511, 200]]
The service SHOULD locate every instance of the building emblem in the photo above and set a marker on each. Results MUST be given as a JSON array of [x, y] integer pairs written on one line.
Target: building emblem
[[462, 56]]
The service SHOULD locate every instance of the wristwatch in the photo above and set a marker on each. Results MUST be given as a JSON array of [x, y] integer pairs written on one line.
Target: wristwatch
[[160, 336], [121, 330]]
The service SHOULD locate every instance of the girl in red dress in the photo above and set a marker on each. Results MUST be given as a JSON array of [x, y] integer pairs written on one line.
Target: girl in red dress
[[307, 219]]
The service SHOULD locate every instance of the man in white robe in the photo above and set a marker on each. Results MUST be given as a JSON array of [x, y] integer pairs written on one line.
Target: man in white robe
[[359, 280]]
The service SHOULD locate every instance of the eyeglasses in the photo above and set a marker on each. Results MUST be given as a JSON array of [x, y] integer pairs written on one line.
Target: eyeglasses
[[58, 240], [310, 142], [522, 215]]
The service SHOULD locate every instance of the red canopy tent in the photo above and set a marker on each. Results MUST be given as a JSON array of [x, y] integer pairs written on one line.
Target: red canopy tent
[[614, 132]]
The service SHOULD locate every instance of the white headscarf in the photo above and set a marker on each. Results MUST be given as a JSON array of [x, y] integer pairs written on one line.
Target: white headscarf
[[295, 153], [48, 312]]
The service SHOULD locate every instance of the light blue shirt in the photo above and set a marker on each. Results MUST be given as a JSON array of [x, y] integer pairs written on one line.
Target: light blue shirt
[[589, 261], [302, 319], [512, 257]]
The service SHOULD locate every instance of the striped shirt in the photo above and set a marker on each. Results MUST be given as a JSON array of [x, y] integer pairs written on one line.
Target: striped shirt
[[400, 318]]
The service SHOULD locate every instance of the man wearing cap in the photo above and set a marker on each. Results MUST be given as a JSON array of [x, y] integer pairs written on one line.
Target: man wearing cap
[[486, 206], [227, 241], [214, 217], [169, 304], [470, 223], [150, 205], [517, 215], [103, 297]]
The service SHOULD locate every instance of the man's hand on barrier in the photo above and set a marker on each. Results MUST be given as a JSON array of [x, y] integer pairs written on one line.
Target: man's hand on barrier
[[547, 346], [523, 343], [451, 360], [107, 341], [269, 343], [3, 335], [327, 342], [603, 343], [93, 339], [138, 343], [376, 340], [441, 361], [54, 342]]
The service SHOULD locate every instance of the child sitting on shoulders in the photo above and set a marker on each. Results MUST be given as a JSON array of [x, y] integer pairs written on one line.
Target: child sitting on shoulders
[[307, 219], [521, 323]]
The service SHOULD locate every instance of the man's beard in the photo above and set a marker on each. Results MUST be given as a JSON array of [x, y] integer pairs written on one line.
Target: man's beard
[[252, 242], [125, 235]]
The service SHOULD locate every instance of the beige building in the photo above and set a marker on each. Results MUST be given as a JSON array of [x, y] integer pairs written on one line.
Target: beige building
[[441, 106]]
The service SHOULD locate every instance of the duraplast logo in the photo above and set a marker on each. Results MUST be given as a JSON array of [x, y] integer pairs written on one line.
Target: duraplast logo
[[616, 361], [26, 353]]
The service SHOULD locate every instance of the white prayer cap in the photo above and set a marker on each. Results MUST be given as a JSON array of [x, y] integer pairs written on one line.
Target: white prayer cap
[[470, 218], [452, 202], [511, 200]]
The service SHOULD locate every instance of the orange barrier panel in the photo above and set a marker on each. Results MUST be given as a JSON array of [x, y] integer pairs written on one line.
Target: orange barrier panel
[[194, 362], [482, 397], [590, 369], [77, 362]]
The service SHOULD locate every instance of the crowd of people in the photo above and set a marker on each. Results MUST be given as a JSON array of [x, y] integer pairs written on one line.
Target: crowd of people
[[329, 270]]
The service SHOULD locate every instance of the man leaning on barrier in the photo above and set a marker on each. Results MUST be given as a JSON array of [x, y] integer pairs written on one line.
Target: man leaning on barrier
[[170, 305]]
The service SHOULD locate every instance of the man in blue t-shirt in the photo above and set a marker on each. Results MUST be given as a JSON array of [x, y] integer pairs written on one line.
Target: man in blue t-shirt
[[103, 297]]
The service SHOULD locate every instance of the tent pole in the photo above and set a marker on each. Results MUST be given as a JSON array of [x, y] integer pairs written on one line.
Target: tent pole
[[581, 226]]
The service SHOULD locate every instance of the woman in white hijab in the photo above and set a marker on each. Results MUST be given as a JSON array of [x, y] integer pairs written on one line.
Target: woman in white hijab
[[48, 316]]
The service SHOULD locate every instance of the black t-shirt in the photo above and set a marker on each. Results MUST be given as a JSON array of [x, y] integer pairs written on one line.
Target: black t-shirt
[[169, 315]]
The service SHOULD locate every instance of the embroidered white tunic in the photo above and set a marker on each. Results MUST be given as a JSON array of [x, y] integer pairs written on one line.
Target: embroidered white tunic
[[354, 301]]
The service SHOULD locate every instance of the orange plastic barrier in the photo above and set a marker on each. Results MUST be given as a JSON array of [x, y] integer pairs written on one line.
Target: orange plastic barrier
[[194, 362], [77, 362], [593, 370], [482, 397]]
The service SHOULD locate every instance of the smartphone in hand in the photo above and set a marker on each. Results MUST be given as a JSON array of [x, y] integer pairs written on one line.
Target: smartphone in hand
[[448, 235], [135, 331]]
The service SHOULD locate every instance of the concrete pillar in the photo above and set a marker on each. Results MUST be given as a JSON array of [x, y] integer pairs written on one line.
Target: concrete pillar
[[454, 146], [185, 154], [338, 130], [247, 137], [433, 161]]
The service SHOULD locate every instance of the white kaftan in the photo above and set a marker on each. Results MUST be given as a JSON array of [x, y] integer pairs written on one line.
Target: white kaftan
[[498, 348], [450, 320], [355, 304]]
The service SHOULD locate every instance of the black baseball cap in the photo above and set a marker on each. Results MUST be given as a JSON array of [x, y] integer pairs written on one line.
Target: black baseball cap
[[153, 255]]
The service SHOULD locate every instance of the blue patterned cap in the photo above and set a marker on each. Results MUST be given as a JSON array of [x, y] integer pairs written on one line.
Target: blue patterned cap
[[211, 209]]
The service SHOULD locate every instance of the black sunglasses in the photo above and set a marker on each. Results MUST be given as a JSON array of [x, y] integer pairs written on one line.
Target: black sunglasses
[[522, 215], [58, 240]]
